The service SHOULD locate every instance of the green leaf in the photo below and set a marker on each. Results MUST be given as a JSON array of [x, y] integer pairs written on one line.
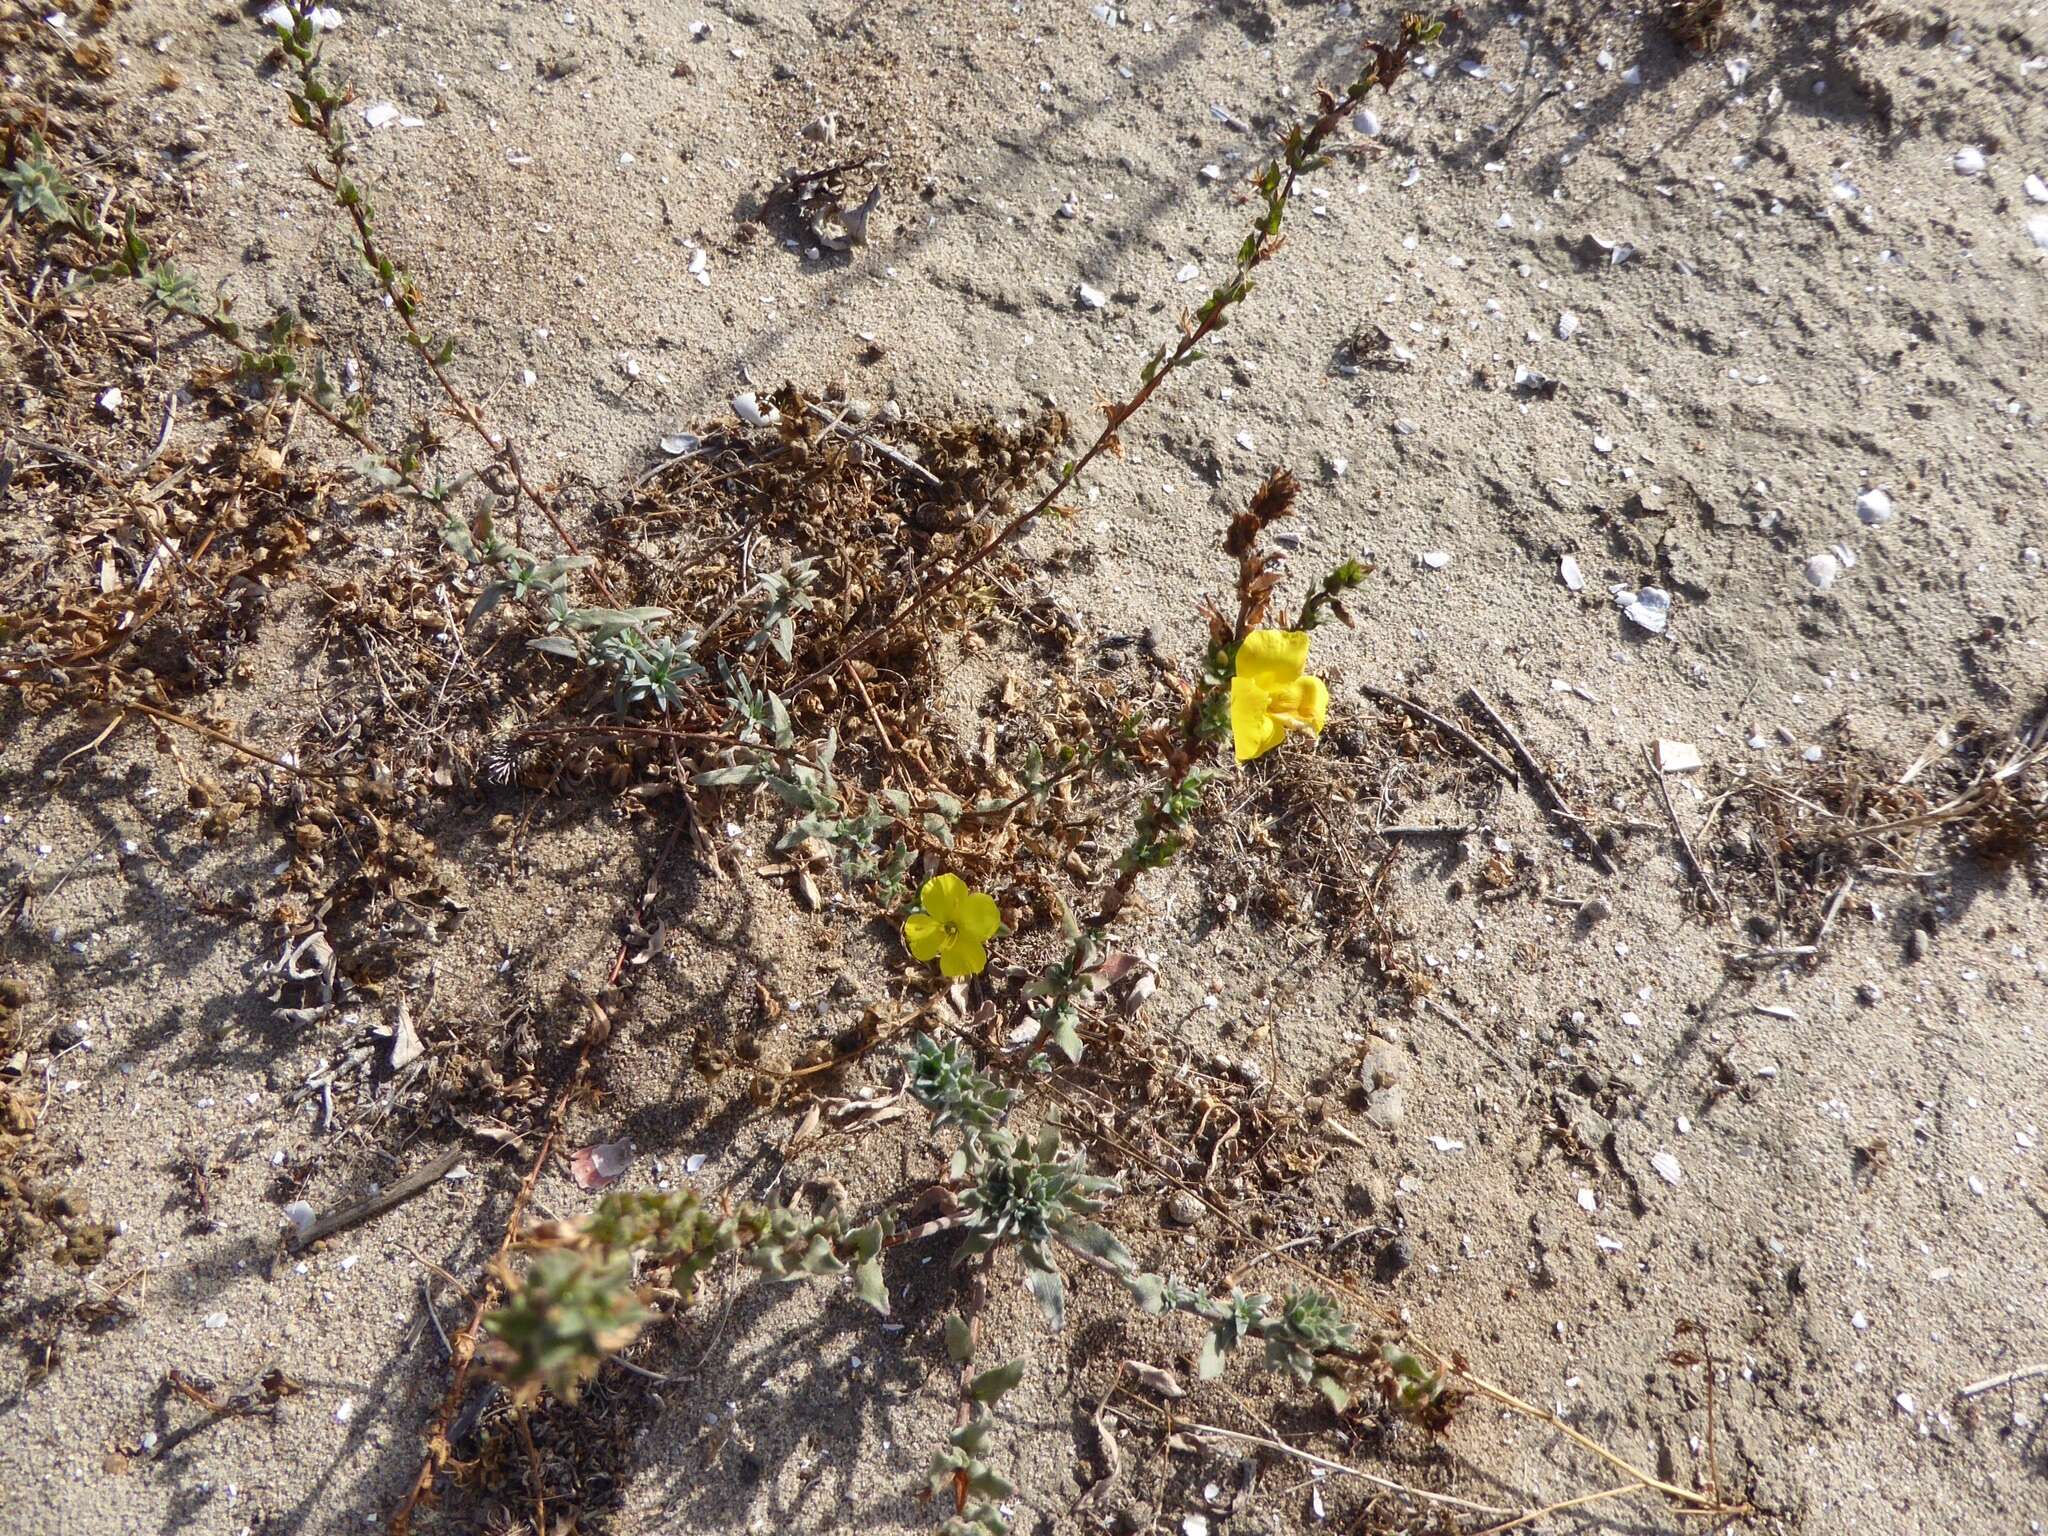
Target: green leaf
[[737, 776], [1214, 1348], [1045, 1288], [488, 599], [972, 1437], [1334, 1390], [556, 645], [1149, 1290], [959, 1339], [1066, 1037], [989, 1483], [991, 1384], [867, 1282], [1102, 1243]]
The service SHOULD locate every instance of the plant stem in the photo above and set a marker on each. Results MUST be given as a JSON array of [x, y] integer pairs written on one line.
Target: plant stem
[[1264, 242]]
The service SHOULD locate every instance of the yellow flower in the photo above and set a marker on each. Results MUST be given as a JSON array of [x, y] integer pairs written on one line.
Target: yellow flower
[[953, 926], [1270, 694]]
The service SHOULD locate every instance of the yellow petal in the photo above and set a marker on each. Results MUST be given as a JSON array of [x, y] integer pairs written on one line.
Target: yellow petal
[[963, 957], [1253, 730], [925, 935], [942, 895], [979, 918], [1272, 657], [1303, 703]]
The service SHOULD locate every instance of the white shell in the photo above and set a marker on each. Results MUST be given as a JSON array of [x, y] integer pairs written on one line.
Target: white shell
[[750, 410], [1874, 507], [1648, 609]]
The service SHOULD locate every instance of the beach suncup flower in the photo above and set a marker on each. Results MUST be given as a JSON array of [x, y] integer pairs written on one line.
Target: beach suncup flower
[[952, 926], [1271, 695]]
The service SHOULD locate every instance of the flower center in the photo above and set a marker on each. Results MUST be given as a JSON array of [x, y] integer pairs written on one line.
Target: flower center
[[952, 930]]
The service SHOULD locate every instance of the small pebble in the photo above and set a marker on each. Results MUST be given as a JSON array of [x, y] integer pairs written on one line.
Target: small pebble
[[1182, 1210], [1436, 559], [1091, 298], [2037, 189], [1970, 161], [1567, 326], [1874, 507], [1822, 570]]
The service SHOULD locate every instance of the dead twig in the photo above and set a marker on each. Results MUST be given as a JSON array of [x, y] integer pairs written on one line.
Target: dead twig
[[1309, 1458], [1457, 733], [1541, 780], [838, 424], [370, 1207], [2009, 1378], [1692, 855]]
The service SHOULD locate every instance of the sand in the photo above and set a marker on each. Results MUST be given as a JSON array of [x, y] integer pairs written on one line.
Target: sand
[[1833, 1167]]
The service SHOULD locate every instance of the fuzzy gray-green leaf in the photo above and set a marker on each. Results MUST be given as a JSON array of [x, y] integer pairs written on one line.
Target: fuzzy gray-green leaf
[[992, 1383]]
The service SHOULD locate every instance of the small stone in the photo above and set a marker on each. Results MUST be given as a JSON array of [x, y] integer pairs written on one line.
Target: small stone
[[1918, 945], [1596, 909], [1091, 298], [1393, 1259], [1366, 122], [110, 402], [1678, 757], [2037, 230], [1874, 508], [1822, 571], [2037, 189], [1567, 326], [1568, 571], [1382, 1074], [1436, 559], [1870, 994], [1182, 1210], [1970, 161], [1068, 209]]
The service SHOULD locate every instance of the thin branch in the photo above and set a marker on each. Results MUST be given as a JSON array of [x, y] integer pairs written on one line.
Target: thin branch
[[1692, 856], [1993, 1383], [1541, 780], [1310, 1458]]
